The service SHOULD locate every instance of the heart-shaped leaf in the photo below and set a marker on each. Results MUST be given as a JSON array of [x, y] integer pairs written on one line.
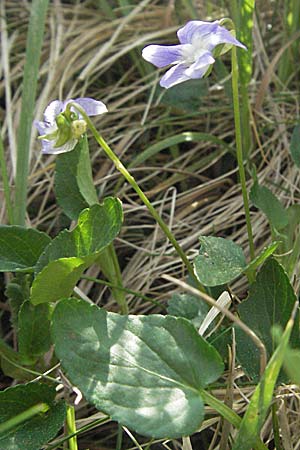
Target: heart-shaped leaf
[[270, 302], [34, 331], [219, 262], [71, 252], [33, 433], [189, 307], [20, 248], [265, 200], [74, 187], [146, 372]]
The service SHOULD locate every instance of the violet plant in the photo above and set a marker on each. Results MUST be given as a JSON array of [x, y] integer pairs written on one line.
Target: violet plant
[[149, 373]]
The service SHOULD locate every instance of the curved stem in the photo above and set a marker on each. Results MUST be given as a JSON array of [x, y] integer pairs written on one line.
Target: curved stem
[[122, 169], [239, 148]]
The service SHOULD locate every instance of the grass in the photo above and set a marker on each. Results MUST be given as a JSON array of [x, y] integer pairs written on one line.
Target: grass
[[90, 49]]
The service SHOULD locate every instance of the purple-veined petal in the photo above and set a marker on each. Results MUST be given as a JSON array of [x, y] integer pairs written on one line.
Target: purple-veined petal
[[162, 55], [92, 107], [200, 66], [52, 110], [44, 128], [48, 147], [186, 33], [206, 35], [174, 76]]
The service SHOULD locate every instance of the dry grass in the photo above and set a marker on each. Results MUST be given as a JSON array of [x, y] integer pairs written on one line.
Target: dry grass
[[85, 54]]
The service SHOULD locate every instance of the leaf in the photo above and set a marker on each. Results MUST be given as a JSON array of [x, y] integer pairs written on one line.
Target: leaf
[[74, 186], [189, 307], [17, 291], [34, 331], [219, 262], [291, 365], [257, 410], [264, 254], [270, 302], [20, 248], [187, 96], [71, 252], [37, 431], [295, 145], [265, 200], [144, 371]]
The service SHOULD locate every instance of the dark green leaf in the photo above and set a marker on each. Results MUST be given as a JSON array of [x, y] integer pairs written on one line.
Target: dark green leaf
[[74, 187], [34, 331], [270, 302], [189, 307], [71, 252], [219, 262], [257, 410], [265, 200], [187, 96], [17, 291], [144, 371], [295, 145], [20, 248], [37, 431]]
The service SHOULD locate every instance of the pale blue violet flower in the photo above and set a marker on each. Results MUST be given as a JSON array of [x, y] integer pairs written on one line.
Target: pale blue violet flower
[[62, 127], [193, 57]]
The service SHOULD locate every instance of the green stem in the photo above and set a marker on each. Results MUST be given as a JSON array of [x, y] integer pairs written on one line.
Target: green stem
[[108, 261], [122, 169], [239, 148], [228, 414], [71, 427], [5, 180], [25, 415]]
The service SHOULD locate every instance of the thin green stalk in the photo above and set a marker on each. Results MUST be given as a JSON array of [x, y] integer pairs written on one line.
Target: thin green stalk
[[108, 261], [25, 415], [71, 427], [5, 181], [228, 414], [31, 70], [239, 147], [122, 169]]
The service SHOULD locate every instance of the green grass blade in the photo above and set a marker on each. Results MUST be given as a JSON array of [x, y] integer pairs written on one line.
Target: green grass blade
[[31, 70], [5, 181], [257, 410]]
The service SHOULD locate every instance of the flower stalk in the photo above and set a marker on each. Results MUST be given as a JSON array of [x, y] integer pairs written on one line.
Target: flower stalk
[[239, 147], [122, 169]]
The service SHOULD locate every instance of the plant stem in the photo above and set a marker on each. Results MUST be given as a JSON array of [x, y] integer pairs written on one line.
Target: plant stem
[[5, 181], [109, 264], [25, 415], [71, 427], [239, 147], [228, 414], [122, 169]]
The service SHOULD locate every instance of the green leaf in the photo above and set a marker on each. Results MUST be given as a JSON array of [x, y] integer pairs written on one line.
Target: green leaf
[[270, 302], [17, 291], [187, 96], [71, 252], [144, 371], [291, 365], [37, 431], [219, 262], [74, 187], [264, 254], [34, 331], [295, 145], [189, 307], [20, 248], [265, 200], [257, 410]]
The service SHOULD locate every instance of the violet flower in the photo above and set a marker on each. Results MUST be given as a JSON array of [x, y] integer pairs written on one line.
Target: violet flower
[[193, 57], [62, 128]]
